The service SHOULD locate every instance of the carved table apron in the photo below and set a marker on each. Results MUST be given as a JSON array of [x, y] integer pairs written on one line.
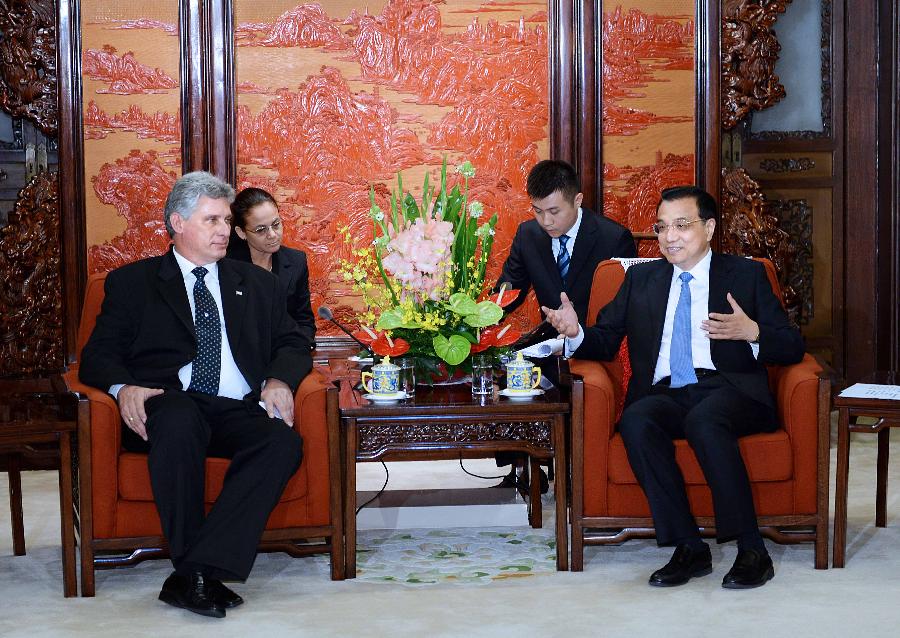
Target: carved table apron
[[444, 421]]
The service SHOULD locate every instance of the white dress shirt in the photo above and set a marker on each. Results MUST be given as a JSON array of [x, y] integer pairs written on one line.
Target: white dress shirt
[[232, 383]]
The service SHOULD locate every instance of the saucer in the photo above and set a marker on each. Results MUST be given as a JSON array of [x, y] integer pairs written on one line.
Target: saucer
[[361, 360], [520, 396], [386, 398]]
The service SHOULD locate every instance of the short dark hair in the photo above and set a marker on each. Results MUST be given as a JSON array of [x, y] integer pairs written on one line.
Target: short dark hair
[[549, 176], [247, 200], [706, 205]]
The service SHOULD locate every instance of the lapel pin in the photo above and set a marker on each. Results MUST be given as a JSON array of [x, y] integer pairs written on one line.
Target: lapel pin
[[238, 292]]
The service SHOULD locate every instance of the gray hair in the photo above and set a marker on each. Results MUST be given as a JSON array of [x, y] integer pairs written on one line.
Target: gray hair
[[188, 190]]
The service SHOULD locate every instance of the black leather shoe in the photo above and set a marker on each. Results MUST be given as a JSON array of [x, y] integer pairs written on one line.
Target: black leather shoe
[[223, 595], [524, 485], [751, 568], [191, 592], [686, 563]]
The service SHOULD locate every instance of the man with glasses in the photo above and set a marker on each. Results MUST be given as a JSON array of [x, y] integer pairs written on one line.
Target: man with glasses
[[558, 251], [701, 328]]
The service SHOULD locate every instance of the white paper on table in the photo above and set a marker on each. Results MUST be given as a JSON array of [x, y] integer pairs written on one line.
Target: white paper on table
[[544, 348], [872, 391]]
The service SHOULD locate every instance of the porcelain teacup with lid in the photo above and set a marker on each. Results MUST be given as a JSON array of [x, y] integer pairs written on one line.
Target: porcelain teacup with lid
[[520, 375], [383, 379]]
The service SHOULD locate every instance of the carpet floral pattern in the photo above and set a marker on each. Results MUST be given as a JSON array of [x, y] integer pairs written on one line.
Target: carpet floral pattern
[[420, 557]]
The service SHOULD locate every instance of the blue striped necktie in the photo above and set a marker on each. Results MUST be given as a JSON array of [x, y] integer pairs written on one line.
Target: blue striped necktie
[[681, 359], [562, 259], [208, 362]]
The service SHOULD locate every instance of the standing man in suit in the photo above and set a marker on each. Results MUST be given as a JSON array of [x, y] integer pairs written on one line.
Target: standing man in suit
[[558, 251], [203, 360], [701, 326]]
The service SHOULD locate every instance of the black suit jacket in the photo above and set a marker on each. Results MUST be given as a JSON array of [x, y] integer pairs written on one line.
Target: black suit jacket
[[531, 262], [290, 266], [145, 332], [639, 311]]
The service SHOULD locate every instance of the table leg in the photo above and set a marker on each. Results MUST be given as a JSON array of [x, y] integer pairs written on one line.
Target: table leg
[[884, 443], [535, 515], [350, 435], [16, 514], [67, 514], [559, 493], [840, 497]]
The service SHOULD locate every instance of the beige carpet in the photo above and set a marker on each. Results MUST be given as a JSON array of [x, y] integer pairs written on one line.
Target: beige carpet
[[294, 597]]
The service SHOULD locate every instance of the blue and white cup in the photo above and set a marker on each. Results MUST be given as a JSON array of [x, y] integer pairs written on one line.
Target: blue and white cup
[[520, 375], [383, 379]]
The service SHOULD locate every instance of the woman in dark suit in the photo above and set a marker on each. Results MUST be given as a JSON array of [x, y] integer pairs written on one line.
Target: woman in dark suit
[[256, 237]]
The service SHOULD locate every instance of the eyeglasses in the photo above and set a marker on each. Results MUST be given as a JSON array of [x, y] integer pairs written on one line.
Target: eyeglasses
[[679, 225], [261, 231]]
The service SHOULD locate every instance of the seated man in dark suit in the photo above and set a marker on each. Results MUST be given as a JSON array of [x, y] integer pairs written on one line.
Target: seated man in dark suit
[[701, 326], [203, 360], [558, 251]]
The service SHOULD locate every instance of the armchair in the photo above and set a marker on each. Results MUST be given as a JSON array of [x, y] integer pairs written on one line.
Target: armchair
[[788, 468], [117, 519]]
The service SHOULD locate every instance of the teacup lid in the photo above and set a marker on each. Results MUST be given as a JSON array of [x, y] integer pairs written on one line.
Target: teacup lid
[[519, 362], [386, 364]]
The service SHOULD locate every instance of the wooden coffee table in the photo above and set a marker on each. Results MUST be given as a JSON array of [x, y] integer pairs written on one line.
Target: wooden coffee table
[[442, 422], [886, 413]]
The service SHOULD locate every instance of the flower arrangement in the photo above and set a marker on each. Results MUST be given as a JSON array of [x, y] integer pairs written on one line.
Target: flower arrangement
[[423, 277]]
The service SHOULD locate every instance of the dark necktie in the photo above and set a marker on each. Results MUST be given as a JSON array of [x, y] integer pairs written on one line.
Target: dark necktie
[[208, 362], [562, 259], [681, 359]]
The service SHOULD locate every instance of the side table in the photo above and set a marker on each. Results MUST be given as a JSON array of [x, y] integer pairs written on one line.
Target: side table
[[886, 412], [31, 416]]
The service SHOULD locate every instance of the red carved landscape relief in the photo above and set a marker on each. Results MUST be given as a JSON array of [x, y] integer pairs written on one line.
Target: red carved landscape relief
[[648, 100], [132, 127], [396, 92], [124, 73], [137, 185]]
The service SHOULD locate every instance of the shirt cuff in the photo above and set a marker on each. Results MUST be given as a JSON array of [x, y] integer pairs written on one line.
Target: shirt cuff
[[114, 390], [572, 343], [754, 346]]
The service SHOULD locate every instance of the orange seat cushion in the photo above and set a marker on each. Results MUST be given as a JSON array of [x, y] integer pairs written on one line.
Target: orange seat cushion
[[768, 458]]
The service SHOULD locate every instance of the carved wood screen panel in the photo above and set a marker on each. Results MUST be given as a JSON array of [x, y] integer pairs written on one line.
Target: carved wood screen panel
[[132, 127], [332, 97], [649, 105]]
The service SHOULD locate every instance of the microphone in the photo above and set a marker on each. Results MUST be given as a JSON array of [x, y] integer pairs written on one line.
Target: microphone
[[325, 313]]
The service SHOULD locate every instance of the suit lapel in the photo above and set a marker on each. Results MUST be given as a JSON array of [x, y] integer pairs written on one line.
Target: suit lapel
[[545, 251], [720, 279], [657, 290], [584, 242], [172, 290], [234, 302]]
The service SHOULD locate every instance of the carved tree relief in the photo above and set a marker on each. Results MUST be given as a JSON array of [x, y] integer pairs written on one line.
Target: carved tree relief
[[749, 53], [31, 288], [750, 227], [28, 61]]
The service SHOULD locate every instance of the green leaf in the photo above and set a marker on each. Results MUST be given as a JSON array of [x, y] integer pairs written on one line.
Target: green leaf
[[462, 304], [393, 318], [411, 209], [453, 350], [487, 314]]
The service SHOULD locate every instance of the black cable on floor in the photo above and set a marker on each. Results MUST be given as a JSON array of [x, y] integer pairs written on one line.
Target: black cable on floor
[[487, 478], [387, 475]]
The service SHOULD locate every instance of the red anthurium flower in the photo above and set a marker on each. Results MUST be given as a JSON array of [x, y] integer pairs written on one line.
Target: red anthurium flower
[[505, 297], [507, 336], [384, 346], [365, 335]]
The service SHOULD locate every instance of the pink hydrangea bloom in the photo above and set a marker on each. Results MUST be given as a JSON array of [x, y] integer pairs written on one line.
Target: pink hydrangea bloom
[[419, 256]]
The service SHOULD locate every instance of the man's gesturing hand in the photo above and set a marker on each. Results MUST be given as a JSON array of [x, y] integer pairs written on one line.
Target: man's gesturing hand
[[277, 395], [736, 326], [131, 400], [564, 319]]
